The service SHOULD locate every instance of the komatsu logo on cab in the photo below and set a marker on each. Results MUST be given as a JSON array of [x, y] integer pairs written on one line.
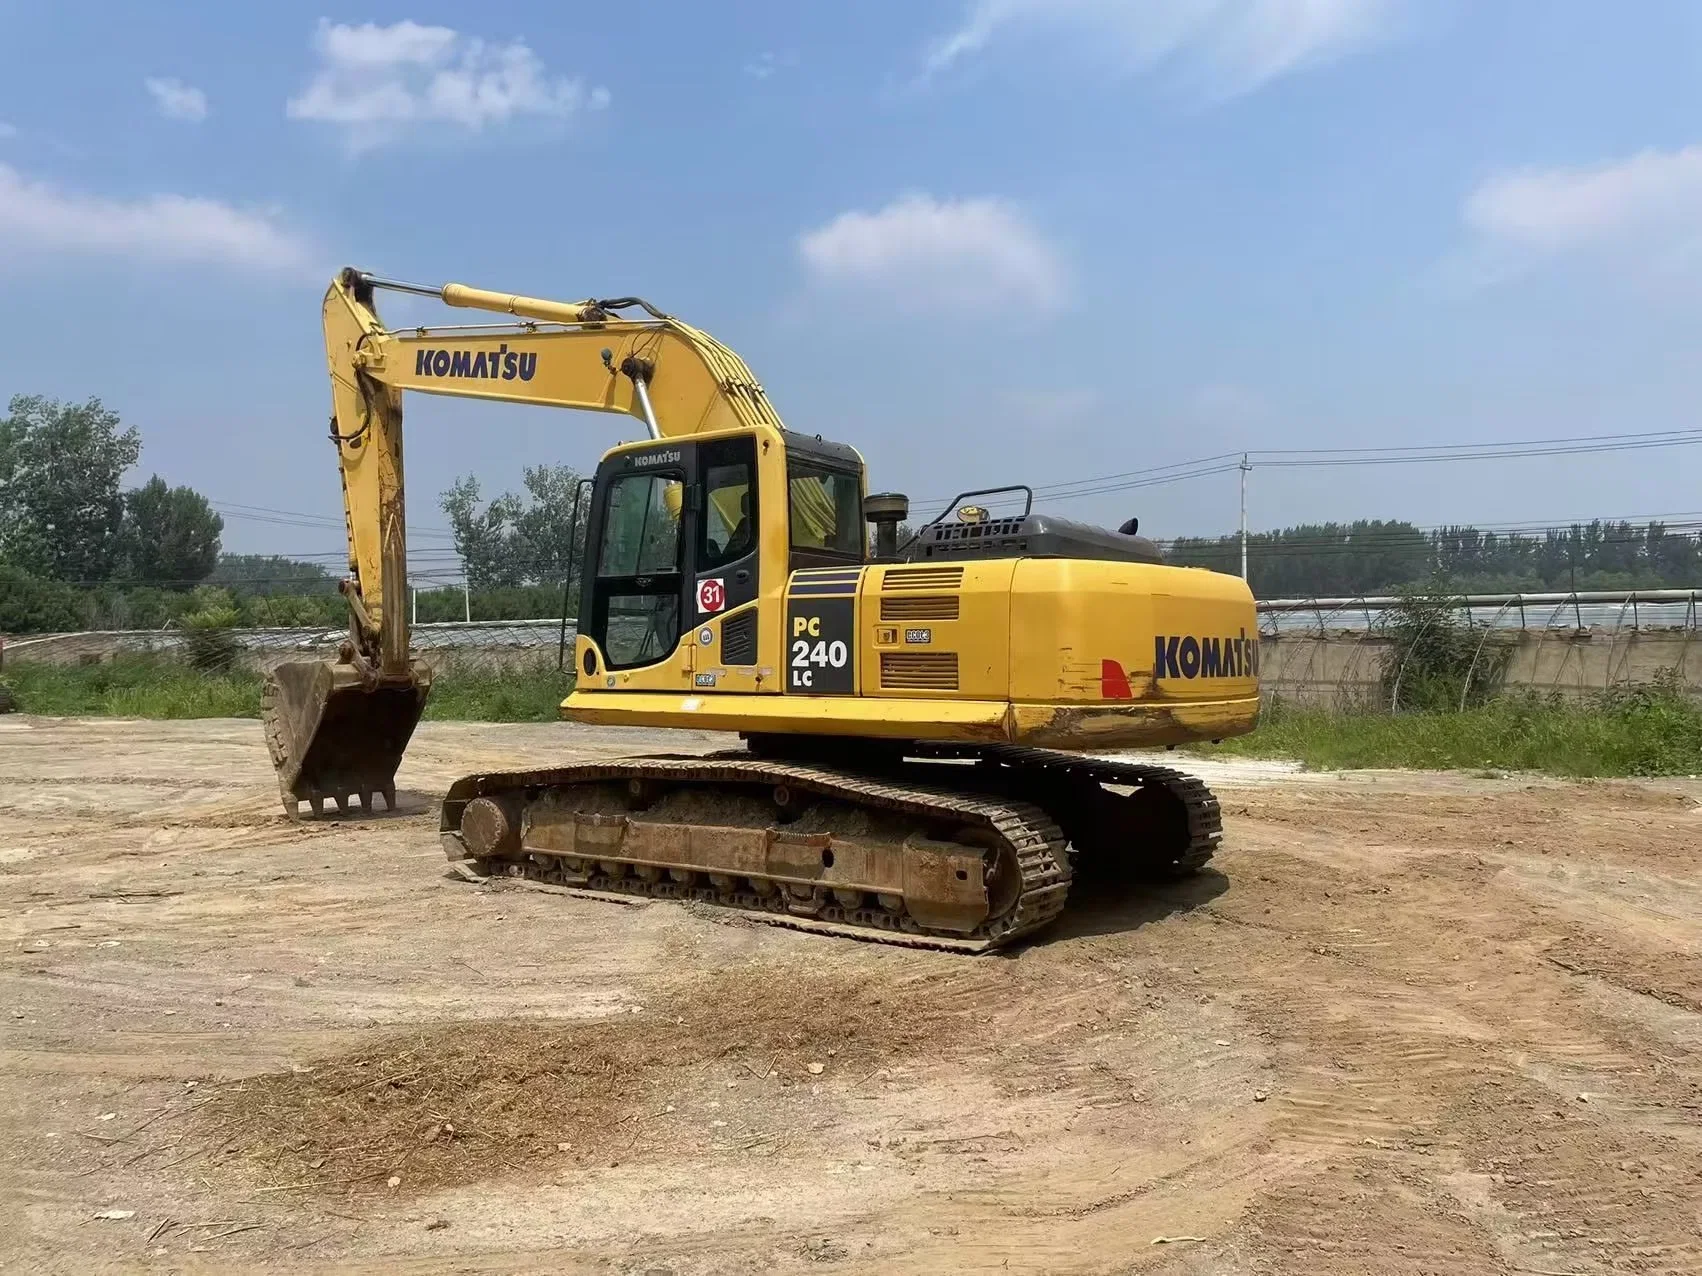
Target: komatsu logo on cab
[[1185, 656], [501, 364]]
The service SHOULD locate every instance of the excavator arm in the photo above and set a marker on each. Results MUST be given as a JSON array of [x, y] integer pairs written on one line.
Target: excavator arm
[[337, 729], [671, 376]]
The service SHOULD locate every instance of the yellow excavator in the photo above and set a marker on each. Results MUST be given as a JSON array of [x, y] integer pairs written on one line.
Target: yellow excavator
[[924, 725]]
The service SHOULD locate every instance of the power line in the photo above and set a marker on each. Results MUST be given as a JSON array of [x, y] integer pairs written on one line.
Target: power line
[[1684, 523], [1681, 435], [1158, 475], [1410, 454], [1579, 450], [300, 518]]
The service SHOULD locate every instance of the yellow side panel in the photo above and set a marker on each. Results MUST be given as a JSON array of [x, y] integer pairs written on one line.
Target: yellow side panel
[[936, 631], [1089, 630]]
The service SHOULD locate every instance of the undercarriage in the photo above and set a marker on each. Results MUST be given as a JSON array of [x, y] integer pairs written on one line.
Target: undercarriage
[[960, 847]]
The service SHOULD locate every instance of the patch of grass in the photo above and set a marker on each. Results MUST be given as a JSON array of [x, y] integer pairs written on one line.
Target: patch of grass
[[1637, 731], [483, 695], [132, 687], [150, 687]]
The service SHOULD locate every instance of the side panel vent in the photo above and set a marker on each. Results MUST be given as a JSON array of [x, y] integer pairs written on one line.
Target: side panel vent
[[922, 578], [997, 529], [738, 639], [919, 670], [919, 607]]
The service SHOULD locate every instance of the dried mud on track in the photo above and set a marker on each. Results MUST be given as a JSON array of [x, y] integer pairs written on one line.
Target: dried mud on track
[[1406, 1024]]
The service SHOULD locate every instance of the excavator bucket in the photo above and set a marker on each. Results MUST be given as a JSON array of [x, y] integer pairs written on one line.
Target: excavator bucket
[[336, 732]]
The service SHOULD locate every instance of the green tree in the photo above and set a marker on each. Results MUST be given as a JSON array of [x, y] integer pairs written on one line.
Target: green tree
[[29, 605], [1330, 560], [515, 539], [61, 508], [170, 534], [261, 575], [547, 534], [483, 536]]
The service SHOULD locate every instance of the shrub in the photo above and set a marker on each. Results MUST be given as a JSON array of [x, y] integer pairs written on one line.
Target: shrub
[[209, 644], [1434, 650], [30, 605]]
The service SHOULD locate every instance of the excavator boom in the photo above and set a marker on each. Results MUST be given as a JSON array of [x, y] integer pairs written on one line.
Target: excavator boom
[[338, 730]]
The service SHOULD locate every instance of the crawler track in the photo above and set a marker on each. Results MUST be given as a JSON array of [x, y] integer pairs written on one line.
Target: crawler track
[[1172, 830], [1020, 815]]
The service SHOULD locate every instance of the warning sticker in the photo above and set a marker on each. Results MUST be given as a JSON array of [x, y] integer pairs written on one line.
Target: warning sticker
[[711, 594]]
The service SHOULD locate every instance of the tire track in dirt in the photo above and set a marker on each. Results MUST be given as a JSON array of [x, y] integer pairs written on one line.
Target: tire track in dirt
[[1356, 1048], [1463, 1044]]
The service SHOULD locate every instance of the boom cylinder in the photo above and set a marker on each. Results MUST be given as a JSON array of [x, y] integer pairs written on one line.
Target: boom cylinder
[[503, 303], [522, 307]]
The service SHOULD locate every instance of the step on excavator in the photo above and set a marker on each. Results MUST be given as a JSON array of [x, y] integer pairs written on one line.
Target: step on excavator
[[925, 726]]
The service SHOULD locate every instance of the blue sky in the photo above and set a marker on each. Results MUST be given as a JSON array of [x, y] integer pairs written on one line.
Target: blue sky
[[983, 240]]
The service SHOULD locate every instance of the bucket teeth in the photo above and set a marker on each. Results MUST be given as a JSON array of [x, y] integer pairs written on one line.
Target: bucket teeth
[[365, 800]]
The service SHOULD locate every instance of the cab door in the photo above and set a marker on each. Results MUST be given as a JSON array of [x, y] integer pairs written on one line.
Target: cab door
[[726, 581], [673, 549], [634, 595]]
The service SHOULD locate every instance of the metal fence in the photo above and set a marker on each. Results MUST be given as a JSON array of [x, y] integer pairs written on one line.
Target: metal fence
[[1321, 651], [1341, 653], [447, 646]]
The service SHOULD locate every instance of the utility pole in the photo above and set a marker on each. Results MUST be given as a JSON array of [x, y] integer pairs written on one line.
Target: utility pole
[[467, 598], [1244, 467]]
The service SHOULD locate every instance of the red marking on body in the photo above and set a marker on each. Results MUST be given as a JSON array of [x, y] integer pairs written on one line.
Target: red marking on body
[[1113, 682]]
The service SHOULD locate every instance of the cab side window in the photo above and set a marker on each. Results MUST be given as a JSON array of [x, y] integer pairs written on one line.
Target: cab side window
[[729, 529], [826, 514]]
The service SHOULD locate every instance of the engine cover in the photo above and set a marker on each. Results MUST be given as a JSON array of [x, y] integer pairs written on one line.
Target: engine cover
[[1032, 536]]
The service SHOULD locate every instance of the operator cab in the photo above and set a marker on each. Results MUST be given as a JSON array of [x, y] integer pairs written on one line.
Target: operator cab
[[674, 539]]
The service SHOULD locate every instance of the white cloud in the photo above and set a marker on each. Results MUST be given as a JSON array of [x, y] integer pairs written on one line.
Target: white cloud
[[1556, 208], [177, 100], [377, 82], [38, 217], [1643, 211], [921, 252], [1223, 48], [765, 64]]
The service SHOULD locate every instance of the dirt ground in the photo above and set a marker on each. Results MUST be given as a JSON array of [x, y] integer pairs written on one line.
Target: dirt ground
[[1408, 1024]]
